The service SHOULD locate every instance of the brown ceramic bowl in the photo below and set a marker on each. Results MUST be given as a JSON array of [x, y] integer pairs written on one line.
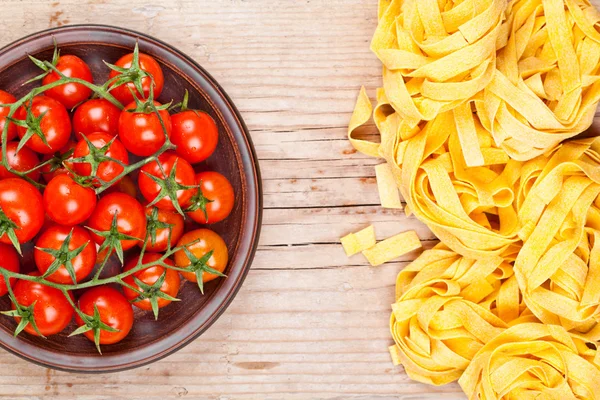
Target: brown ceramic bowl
[[181, 322]]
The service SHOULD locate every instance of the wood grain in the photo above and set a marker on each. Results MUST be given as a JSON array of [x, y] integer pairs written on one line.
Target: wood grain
[[309, 323]]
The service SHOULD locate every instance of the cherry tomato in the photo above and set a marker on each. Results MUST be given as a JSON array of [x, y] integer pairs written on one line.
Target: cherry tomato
[[107, 170], [7, 98], [207, 241], [184, 175], [195, 134], [131, 218], [24, 160], [149, 276], [96, 115], [21, 202], [148, 64], [69, 94], [162, 234], [215, 187], [142, 133], [9, 260], [125, 185], [55, 125], [67, 202], [59, 162], [114, 309], [52, 312], [53, 238]]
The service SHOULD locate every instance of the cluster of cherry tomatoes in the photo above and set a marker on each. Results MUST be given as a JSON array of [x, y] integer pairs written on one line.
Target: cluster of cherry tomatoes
[[93, 206]]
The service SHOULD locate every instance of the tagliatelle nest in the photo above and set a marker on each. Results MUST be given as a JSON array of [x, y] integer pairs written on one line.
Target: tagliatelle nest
[[533, 361], [547, 85], [447, 308]]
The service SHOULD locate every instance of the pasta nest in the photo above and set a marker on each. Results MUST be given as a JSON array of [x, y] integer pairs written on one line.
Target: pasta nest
[[447, 308], [533, 361]]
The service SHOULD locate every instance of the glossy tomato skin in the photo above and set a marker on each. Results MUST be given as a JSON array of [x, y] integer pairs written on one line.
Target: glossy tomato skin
[[184, 175], [55, 125], [53, 238], [148, 64], [96, 115], [142, 133], [114, 309], [69, 94], [162, 234], [215, 187], [54, 168], [24, 160], [68, 203], [22, 203], [52, 311], [149, 276], [107, 170], [7, 98], [9, 260], [195, 134], [131, 218], [207, 241]]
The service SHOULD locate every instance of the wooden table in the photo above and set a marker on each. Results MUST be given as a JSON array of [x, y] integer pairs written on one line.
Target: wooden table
[[309, 323]]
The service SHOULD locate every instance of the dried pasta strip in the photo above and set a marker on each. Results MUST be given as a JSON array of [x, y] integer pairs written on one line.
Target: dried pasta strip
[[362, 240], [388, 191], [392, 248]]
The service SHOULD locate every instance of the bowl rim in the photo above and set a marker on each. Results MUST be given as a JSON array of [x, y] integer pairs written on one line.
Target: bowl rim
[[254, 190]]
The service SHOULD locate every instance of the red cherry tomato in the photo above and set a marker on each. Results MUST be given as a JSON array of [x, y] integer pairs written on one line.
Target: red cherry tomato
[[9, 260], [195, 134], [207, 240], [184, 175], [55, 124], [21, 202], [68, 203], [24, 160], [125, 185], [59, 162], [52, 312], [149, 276], [53, 238], [114, 309], [107, 170], [215, 187], [96, 115], [7, 98], [142, 133], [161, 238], [69, 94], [148, 64], [131, 218]]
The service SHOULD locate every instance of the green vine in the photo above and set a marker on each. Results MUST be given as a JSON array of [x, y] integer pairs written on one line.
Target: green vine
[[112, 238]]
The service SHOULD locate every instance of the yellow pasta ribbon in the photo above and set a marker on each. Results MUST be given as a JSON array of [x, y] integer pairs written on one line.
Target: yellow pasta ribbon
[[354, 243], [532, 361], [447, 308], [392, 248]]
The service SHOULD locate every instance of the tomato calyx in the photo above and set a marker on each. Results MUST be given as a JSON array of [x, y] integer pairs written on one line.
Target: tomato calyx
[[112, 240], [33, 125], [153, 224], [57, 160], [63, 256], [147, 106], [168, 187], [93, 322], [25, 314], [44, 65], [183, 105], [199, 202], [95, 157], [134, 74], [8, 227], [200, 265], [153, 293]]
